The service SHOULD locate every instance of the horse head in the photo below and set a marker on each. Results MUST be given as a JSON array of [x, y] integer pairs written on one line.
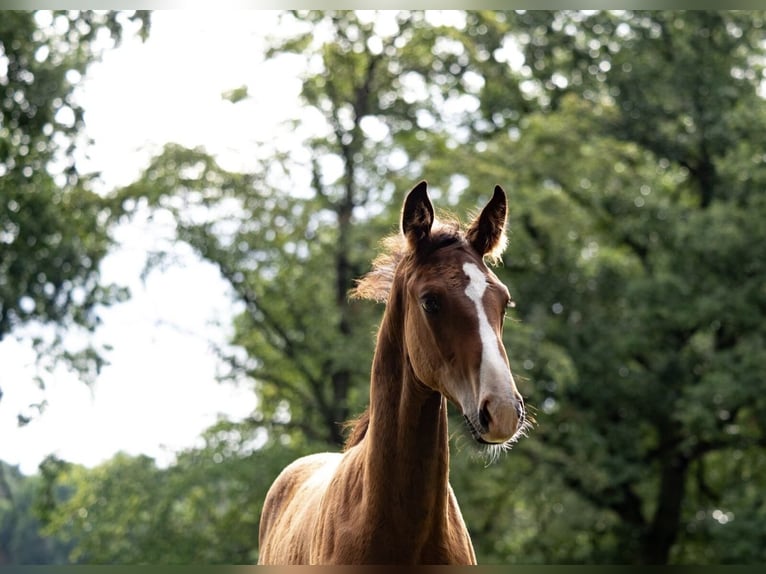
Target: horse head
[[454, 307]]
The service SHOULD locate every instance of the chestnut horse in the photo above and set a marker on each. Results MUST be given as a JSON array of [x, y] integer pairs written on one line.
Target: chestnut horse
[[387, 499]]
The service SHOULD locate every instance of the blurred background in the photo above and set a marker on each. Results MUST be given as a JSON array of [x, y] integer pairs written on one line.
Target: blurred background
[[187, 197]]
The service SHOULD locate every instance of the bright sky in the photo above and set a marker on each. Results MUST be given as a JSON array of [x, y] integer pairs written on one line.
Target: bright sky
[[159, 392]]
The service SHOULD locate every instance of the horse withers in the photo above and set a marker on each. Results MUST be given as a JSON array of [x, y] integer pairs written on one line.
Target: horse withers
[[386, 499]]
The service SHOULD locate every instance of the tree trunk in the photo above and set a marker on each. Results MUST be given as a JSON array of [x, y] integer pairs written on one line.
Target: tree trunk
[[341, 377], [663, 531]]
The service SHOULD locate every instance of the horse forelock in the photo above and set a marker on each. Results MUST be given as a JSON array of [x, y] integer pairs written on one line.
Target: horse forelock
[[376, 285]]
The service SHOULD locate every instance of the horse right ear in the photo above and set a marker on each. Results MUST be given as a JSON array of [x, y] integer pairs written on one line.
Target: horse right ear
[[417, 215], [487, 232]]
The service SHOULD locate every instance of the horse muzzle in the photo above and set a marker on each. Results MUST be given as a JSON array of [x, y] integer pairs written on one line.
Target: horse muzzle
[[497, 420]]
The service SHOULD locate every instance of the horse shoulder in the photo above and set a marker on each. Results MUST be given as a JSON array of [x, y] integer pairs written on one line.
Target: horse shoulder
[[290, 509], [341, 535]]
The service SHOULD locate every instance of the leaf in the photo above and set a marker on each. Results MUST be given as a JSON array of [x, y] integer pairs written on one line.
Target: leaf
[[236, 94]]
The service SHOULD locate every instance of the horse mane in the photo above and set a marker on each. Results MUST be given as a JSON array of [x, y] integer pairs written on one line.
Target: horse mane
[[357, 429]]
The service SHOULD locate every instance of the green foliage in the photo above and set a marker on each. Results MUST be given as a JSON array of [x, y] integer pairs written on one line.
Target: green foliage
[[236, 95], [203, 509], [629, 143], [291, 253], [53, 231], [635, 259], [21, 541]]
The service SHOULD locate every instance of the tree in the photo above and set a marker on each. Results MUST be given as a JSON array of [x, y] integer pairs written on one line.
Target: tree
[[629, 143], [53, 231], [52, 225], [634, 257], [306, 229], [20, 539], [203, 509]]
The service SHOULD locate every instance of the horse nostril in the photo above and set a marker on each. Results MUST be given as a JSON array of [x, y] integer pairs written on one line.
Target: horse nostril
[[484, 417]]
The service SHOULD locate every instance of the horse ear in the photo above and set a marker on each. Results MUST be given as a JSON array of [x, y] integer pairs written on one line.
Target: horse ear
[[417, 215], [487, 232]]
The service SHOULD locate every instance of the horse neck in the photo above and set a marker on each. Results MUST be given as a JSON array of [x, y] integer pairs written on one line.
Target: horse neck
[[407, 444]]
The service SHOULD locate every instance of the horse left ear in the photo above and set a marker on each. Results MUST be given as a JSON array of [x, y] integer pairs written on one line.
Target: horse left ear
[[487, 232], [417, 215]]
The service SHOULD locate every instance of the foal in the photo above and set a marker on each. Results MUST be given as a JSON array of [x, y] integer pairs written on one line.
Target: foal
[[386, 499]]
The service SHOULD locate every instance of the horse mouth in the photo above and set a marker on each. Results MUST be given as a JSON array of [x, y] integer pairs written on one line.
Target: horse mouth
[[474, 431], [476, 428]]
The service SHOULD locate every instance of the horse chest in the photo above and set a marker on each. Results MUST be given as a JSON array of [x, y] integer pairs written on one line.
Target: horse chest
[[358, 528]]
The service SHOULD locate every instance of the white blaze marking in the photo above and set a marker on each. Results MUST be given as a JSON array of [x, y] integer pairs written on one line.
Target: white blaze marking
[[492, 362]]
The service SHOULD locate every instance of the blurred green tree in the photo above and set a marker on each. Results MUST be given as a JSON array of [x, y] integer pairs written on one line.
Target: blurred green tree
[[52, 226], [203, 509], [637, 201], [629, 142], [53, 231], [20, 539], [292, 235]]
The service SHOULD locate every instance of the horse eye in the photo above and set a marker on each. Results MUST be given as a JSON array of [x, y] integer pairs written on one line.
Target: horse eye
[[430, 304]]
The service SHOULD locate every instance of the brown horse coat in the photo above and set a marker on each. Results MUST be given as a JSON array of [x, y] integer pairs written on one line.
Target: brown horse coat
[[386, 499]]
